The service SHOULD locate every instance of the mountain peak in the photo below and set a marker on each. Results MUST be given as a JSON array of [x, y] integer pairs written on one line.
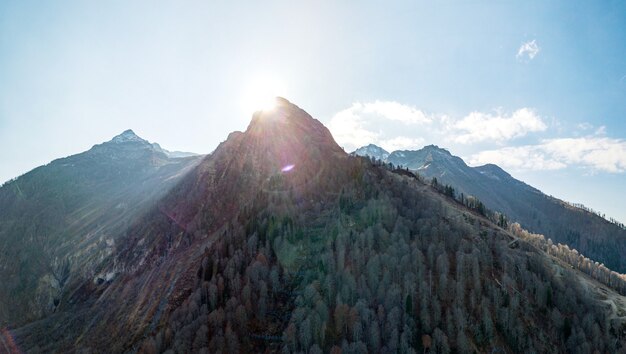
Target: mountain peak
[[286, 122], [493, 171], [374, 146], [281, 109], [372, 150], [436, 148], [127, 136], [282, 140]]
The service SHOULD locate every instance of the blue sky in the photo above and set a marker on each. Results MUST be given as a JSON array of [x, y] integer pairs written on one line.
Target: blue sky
[[536, 87]]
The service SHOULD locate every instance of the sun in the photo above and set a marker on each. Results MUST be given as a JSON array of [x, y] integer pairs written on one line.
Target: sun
[[261, 92]]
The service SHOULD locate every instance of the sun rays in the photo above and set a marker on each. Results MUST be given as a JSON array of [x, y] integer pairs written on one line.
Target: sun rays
[[261, 92]]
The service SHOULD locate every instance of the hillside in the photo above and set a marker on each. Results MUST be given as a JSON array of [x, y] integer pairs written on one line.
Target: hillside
[[590, 234], [281, 242], [58, 221]]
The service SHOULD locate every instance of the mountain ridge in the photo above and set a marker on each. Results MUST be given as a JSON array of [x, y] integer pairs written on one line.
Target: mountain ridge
[[279, 241], [75, 207], [591, 234]]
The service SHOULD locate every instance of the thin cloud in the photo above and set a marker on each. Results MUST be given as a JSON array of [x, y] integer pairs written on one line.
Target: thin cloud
[[601, 130], [528, 50]]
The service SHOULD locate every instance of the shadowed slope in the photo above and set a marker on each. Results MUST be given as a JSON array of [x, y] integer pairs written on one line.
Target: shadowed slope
[[158, 259], [58, 221]]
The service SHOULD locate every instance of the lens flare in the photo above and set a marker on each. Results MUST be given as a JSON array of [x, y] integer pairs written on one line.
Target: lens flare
[[288, 168]]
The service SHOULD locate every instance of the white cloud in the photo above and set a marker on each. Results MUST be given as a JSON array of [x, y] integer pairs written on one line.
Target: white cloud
[[592, 152], [528, 50], [361, 124], [397, 126], [394, 111], [347, 127], [598, 153], [517, 158], [478, 126], [402, 143]]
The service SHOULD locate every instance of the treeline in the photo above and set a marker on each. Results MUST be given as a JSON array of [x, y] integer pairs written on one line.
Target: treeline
[[6, 183], [578, 261], [602, 215], [470, 202]]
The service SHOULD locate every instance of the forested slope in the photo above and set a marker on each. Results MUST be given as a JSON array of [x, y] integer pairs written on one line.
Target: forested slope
[[281, 242], [585, 231]]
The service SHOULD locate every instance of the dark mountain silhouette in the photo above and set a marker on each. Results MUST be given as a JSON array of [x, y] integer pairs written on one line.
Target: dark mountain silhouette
[[279, 241], [588, 233]]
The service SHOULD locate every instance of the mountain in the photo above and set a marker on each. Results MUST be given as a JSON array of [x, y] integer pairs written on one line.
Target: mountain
[[58, 221], [279, 241], [173, 154], [373, 151], [588, 233], [128, 136]]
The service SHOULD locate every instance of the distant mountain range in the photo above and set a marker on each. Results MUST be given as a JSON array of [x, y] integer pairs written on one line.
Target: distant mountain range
[[590, 234], [279, 241]]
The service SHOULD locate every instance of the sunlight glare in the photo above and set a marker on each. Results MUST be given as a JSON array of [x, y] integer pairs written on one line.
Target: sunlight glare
[[261, 92]]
